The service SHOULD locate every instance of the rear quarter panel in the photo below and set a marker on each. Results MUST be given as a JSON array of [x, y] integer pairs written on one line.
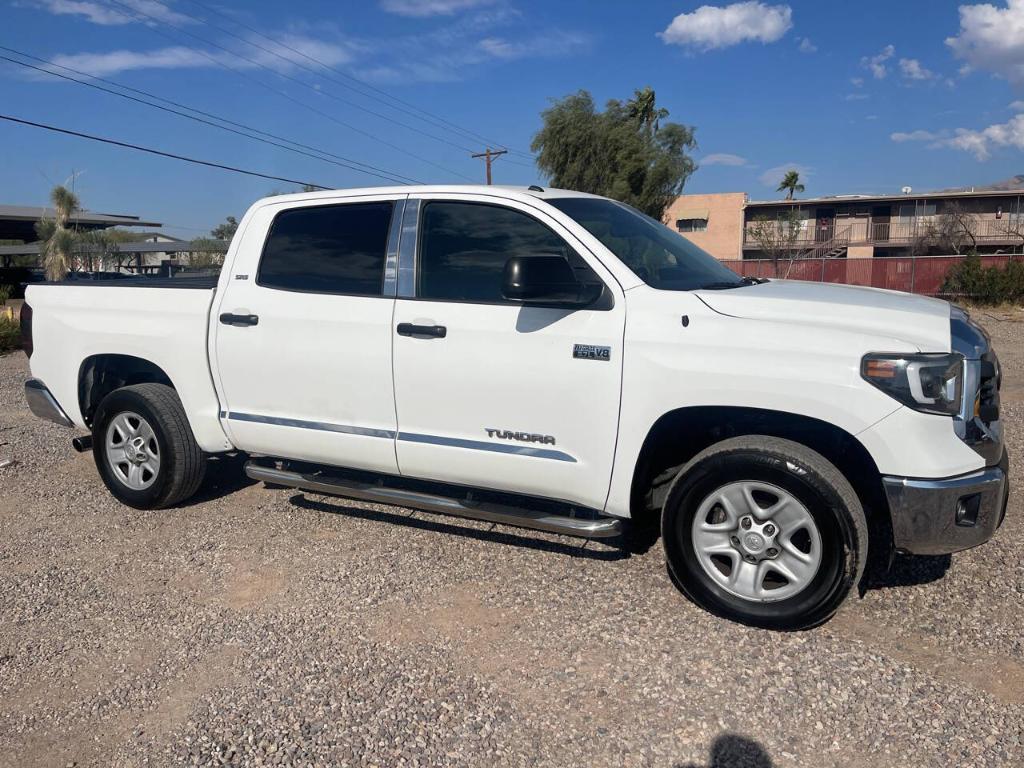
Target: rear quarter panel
[[166, 326]]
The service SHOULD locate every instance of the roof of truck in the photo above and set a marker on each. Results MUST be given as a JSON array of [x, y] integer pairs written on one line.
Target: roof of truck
[[497, 190]]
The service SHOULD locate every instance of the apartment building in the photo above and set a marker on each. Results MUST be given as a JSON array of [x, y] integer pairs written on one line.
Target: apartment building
[[856, 226]]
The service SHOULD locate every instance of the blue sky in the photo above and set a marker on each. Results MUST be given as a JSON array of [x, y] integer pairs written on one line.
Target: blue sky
[[926, 94]]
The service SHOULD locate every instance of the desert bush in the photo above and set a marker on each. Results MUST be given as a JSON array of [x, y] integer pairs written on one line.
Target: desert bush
[[10, 334], [986, 285]]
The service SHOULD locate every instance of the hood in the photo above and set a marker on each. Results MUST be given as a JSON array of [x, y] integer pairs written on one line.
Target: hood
[[918, 320]]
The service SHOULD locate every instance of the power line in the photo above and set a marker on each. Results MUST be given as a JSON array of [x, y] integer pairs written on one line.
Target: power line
[[342, 162], [130, 12], [317, 72], [158, 152], [225, 120], [405, 106]]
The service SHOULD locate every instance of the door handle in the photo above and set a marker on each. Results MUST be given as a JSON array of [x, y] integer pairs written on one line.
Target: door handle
[[411, 329], [229, 318]]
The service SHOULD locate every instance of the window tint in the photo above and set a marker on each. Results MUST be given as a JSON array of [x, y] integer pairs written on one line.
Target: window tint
[[328, 249], [660, 257], [464, 248]]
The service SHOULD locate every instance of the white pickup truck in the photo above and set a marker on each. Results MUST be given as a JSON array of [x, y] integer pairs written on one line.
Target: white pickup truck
[[550, 360]]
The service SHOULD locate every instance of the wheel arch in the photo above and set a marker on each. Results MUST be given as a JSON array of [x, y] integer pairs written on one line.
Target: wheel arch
[[680, 434], [99, 375]]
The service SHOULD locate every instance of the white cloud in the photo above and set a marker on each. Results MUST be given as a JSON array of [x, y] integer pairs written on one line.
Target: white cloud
[[545, 44], [711, 26], [911, 69], [109, 15], [913, 136], [723, 158], [979, 143], [877, 63], [1017, 106], [855, 97], [992, 39], [806, 46], [773, 176], [422, 8], [857, 82], [104, 64], [462, 46], [183, 57], [871, 117]]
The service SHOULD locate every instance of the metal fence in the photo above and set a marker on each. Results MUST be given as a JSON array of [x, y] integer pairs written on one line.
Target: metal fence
[[922, 274]]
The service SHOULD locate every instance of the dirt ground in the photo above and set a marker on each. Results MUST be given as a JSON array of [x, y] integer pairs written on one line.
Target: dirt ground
[[256, 626]]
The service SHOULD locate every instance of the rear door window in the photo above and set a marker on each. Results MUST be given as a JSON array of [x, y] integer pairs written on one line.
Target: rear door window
[[328, 249]]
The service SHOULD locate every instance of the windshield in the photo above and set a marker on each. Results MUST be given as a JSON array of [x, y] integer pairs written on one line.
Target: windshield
[[660, 257]]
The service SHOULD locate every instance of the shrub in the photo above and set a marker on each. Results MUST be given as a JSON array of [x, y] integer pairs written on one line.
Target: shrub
[[6, 291], [986, 285], [10, 334]]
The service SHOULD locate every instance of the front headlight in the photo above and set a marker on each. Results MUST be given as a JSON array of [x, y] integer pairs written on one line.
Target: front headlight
[[928, 383]]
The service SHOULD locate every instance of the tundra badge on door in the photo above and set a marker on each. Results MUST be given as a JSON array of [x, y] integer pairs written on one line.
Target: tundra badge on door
[[523, 437]]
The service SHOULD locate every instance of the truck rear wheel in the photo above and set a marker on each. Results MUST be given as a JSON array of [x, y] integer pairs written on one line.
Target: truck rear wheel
[[764, 531], [144, 447]]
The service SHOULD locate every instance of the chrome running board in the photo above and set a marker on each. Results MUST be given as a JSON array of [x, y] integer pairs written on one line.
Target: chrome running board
[[596, 528]]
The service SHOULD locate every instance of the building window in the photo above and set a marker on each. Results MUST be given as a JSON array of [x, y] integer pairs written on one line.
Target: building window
[[692, 225], [920, 209]]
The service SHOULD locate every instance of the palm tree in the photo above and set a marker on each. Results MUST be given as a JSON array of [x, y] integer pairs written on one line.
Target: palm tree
[[642, 108], [791, 182], [59, 241]]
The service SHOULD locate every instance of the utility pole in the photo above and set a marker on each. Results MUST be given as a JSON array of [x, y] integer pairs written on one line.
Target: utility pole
[[489, 157]]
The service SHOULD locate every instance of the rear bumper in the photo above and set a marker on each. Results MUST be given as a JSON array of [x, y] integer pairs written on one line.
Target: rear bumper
[[43, 404], [934, 517]]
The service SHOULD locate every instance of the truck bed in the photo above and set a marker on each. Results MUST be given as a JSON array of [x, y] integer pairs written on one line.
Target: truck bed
[[149, 318]]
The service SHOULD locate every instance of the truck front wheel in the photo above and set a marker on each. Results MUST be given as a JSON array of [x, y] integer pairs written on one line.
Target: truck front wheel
[[764, 531], [144, 447]]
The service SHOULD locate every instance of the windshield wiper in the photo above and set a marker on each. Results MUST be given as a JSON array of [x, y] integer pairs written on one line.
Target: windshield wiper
[[723, 285]]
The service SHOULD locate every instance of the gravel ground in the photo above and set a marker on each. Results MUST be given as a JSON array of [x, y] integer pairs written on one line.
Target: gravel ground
[[268, 627]]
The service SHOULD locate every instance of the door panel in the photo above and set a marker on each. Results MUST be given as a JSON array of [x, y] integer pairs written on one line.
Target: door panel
[[312, 378], [510, 369]]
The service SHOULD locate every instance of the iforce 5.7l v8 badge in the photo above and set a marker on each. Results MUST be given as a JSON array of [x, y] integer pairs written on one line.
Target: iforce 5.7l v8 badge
[[590, 352]]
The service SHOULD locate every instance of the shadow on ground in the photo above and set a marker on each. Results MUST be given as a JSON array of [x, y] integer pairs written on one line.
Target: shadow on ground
[[225, 474], [498, 534], [909, 571], [732, 751]]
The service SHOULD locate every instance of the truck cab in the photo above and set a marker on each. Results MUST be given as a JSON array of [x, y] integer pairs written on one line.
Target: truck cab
[[553, 360]]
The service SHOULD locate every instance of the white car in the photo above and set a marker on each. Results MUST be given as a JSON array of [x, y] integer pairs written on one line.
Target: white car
[[551, 360]]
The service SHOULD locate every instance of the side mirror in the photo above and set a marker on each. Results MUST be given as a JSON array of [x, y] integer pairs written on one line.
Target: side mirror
[[546, 280]]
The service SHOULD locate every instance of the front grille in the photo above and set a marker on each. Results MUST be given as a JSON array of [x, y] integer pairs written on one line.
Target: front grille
[[988, 391]]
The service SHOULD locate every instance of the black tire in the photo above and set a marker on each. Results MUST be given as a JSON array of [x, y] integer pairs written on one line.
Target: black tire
[[804, 474], [182, 463]]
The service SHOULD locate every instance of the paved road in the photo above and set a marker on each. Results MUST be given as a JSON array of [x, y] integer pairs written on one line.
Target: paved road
[[268, 627]]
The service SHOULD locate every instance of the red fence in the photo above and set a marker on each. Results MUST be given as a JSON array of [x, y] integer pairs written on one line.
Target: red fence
[[924, 274]]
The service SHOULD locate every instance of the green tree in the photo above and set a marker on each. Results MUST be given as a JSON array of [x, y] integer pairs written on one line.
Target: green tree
[[643, 109], [791, 183], [777, 237], [226, 230], [58, 241], [209, 256], [625, 153]]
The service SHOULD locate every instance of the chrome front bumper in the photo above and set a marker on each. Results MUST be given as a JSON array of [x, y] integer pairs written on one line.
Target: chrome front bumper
[[936, 517], [43, 404]]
